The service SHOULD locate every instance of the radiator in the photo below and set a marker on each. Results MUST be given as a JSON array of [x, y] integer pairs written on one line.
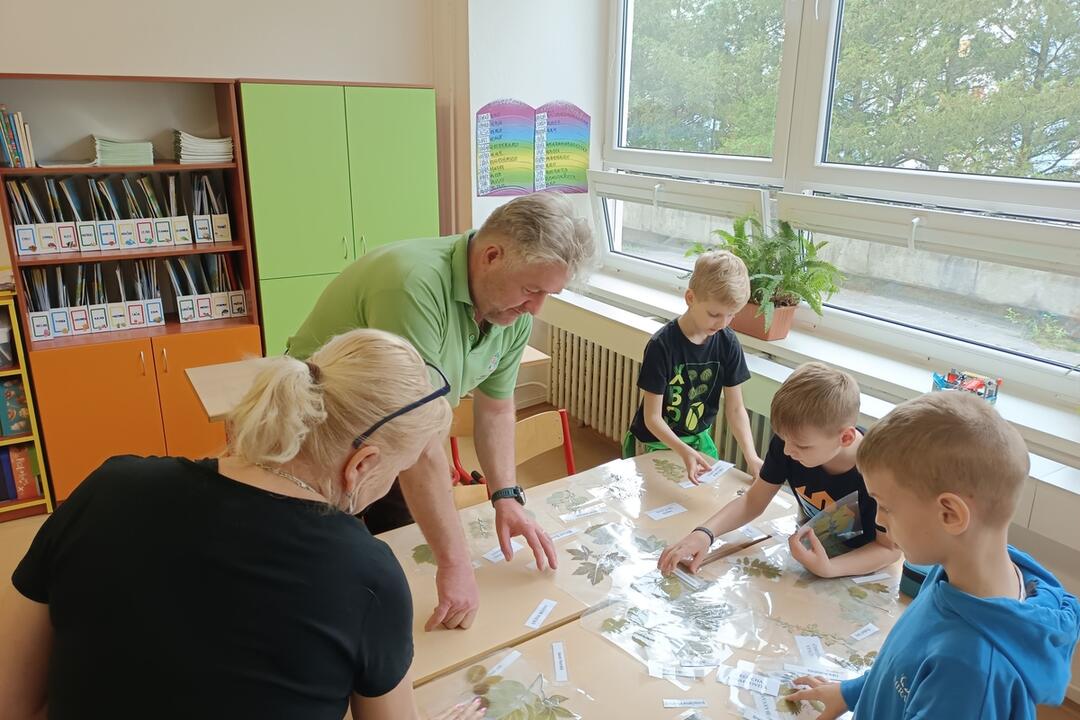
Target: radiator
[[598, 387]]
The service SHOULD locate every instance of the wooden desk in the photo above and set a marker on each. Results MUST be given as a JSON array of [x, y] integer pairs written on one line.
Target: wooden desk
[[220, 387], [762, 612], [510, 592]]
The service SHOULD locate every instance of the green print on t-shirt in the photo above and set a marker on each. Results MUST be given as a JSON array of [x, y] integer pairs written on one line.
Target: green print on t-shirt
[[687, 390]]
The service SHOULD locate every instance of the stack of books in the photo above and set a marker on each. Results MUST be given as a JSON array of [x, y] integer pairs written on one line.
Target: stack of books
[[16, 146], [191, 149], [118, 152]]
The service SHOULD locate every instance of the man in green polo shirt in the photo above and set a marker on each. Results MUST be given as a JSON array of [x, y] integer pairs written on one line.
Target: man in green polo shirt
[[466, 302]]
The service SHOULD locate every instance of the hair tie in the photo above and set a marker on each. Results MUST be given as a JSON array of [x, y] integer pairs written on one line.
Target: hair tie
[[315, 370]]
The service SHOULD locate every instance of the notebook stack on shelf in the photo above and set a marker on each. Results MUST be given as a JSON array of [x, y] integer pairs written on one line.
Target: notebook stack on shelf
[[118, 152], [191, 149]]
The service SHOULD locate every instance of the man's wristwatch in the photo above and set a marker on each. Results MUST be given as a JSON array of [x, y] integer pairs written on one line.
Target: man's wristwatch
[[511, 492]]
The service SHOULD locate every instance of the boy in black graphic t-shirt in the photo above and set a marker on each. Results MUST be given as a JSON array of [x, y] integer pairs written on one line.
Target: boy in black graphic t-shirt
[[813, 415], [688, 364]]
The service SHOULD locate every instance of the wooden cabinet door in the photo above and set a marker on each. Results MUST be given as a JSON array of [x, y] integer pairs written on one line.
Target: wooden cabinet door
[[286, 303], [298, 172], [187, 431], [95, 401], [393, 156]]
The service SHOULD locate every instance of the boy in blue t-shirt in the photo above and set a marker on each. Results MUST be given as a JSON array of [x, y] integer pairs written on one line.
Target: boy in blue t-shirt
[[688, 364], [991, 633]]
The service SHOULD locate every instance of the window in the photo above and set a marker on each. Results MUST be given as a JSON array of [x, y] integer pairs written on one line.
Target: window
[[983, 88], [1017, 310], [702, 76], [658, 234]]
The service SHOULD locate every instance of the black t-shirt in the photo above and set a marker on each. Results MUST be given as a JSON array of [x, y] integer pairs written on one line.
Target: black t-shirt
[[816, 489], [176, 592], [690, 377]]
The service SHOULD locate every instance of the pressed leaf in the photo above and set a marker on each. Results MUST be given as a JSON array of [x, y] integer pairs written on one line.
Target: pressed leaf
[[423, 554]]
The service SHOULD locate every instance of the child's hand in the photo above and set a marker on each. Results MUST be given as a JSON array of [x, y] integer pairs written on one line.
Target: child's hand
[[821, 691], [693, 546], [696, 463], [753, 466], [816, 560], [466, 711]]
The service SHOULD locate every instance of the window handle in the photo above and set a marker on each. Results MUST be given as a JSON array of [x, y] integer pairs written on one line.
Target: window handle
[[914, 229]]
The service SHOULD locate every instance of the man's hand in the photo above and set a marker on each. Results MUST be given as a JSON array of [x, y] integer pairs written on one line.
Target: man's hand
[[753, 466], [821, 691], [459, 597], [510, 521], [816, 560]]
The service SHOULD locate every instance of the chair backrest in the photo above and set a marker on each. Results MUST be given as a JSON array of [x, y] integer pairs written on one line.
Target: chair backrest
[[469, 495], [542, 432], [462, 423]]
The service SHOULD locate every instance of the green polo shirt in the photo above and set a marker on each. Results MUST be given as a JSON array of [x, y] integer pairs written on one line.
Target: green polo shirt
[[419, 289]]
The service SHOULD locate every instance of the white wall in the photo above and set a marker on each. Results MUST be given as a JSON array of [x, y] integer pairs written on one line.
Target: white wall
[[537, 52], [349, 40]]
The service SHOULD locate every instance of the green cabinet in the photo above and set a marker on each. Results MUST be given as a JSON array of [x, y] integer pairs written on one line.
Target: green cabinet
[[333, 172], [393, 163], [286, 302], [298, 173]]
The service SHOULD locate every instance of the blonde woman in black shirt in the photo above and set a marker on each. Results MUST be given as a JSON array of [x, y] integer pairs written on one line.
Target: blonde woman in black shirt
[[241, 586]]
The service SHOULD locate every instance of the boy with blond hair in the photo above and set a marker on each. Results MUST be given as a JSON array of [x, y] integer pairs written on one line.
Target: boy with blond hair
[[813, 448], [991, 633], [688, 364]]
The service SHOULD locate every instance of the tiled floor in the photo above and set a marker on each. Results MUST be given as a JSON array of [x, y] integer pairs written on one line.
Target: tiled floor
[[590, 449]]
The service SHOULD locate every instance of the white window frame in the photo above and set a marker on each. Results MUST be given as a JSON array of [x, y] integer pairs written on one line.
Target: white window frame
[[809, 34], [733, 168], [706, 198], [806, 171]]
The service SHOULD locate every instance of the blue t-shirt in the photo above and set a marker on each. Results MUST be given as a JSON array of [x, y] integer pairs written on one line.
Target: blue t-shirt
[[954, 656]]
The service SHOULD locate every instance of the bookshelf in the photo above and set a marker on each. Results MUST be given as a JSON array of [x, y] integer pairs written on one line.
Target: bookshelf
[[12, 509], [129, 381]]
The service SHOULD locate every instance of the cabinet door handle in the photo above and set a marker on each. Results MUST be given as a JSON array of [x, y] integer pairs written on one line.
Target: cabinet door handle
[[363, 244], [344, 248], [142, 361], [165, 358]]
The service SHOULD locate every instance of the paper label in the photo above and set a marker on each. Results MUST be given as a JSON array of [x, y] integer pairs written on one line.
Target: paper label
[[877, 577], [540, 614], [558, 658], [801, 670], [666, 511], [715, 471], [810, 648], [496, 554], [503, 664], [685, 703], [563, 534], [865, 631]]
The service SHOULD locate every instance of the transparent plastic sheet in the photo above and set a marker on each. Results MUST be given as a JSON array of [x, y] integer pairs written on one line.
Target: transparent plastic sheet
[[836, 524], [758, 690], [511, 688]]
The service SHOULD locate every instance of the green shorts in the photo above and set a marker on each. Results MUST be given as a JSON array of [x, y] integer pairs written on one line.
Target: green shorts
[[702, 442]]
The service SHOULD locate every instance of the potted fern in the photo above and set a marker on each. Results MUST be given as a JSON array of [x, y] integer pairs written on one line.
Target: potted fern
[[784, 270]]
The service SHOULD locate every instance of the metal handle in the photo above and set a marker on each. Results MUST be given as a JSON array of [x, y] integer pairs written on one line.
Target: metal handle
[[363, 244], [344, 248], [142, 361], [165, 358], [914, 228]]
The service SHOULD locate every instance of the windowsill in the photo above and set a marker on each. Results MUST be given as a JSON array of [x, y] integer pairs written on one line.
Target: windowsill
[[1052, 431]]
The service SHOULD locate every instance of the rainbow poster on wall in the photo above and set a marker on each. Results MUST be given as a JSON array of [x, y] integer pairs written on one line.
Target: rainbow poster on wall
[[504, 148], [561, 148], [521, 149]]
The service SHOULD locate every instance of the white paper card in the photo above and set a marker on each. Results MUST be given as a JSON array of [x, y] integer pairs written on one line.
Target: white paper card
[[715, 471], [810, 648], [748, 680], [503, 664], [685, 702], [496, 554], [766, 707], [558, 659], [800, 670], [877, 577], [689, 580], [688, 484], [751, 532], [865, 631], [563, 534], [583, 512], [666, 511], [540, 614]]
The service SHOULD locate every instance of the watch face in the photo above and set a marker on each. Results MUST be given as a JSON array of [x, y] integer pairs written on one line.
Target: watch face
[[521, 495]]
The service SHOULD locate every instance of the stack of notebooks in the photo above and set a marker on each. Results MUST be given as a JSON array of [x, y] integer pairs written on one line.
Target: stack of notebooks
[[118, 152], [191, 149]]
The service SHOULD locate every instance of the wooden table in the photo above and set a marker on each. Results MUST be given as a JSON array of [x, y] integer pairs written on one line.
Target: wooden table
[[221, 387], [510, 592], [605, 678]]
